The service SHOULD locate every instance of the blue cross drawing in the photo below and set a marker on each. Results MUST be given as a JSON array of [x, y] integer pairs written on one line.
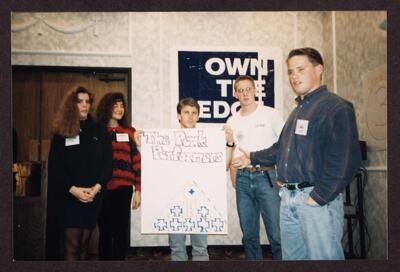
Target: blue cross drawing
[[160, 224], [176, 211], [217, 224], [203, 225], [191, 191], [203, 211], [189, 225], [175, 224]]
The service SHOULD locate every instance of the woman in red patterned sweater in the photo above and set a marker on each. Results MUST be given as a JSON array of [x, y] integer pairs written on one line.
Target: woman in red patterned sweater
[[115, 214]]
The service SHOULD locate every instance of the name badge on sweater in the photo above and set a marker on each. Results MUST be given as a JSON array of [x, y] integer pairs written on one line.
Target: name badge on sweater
[[122, 137], [301, 127], [72, 140]]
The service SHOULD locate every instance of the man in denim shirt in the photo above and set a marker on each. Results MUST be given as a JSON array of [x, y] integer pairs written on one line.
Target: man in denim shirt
[[317, 156]]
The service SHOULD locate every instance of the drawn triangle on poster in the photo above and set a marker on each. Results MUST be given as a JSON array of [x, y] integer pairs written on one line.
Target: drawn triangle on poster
[[191, 211]]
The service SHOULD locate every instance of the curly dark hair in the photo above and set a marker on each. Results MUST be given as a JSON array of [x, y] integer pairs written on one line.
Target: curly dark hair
[[66, 123], [105, 108]]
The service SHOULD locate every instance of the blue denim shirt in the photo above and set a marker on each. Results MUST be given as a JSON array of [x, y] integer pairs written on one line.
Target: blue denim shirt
[[324, 152]]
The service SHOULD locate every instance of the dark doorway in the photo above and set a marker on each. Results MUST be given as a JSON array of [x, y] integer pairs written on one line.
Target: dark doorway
[[37, 92], [36, 95]]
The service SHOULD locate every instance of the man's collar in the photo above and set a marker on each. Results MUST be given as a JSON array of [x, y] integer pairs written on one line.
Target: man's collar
[[312, 95]]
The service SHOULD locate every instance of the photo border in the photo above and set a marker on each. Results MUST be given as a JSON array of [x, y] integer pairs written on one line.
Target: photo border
[[393, 158]]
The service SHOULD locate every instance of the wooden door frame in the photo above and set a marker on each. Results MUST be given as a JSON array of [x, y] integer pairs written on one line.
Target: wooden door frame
[[76, 69], [71, 69], [92, 71]]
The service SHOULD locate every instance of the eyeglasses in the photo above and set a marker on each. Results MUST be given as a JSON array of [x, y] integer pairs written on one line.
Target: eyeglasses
[[245, 90]]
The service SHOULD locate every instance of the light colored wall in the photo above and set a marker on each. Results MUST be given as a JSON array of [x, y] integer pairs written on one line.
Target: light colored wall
[[354, 51], [71, 39], [361, 78], [164, 31]]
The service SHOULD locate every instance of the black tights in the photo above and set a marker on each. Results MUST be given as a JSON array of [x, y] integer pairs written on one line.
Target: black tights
[[76, 243]]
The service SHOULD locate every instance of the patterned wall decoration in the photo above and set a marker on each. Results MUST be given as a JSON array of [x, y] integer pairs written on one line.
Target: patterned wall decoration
[[361, 78], [70, 34], [42, 20], [374, 90], [71, 39]]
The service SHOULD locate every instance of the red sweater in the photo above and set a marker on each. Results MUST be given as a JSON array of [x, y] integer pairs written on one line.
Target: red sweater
[[126, 160]]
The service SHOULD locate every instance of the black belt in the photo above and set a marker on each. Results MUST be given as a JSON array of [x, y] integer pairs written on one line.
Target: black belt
[[294, 186], [258, 169], [263, 169]]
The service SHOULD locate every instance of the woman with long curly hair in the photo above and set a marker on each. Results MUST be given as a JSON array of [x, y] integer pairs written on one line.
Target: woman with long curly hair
[[115, 212], [80, 165]]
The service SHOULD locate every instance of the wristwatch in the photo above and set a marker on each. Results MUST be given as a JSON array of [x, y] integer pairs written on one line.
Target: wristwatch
[[230, 145]]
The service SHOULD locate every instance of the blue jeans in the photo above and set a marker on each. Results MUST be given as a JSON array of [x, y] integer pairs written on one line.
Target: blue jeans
[[256, 194], [177, 243], [310, 232]]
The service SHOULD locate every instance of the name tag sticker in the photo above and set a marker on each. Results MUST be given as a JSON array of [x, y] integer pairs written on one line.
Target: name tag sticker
[[301, 127], [122, 137], [72, 141]]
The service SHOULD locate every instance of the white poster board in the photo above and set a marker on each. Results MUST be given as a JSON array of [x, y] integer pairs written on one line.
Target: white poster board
[[184, 181]]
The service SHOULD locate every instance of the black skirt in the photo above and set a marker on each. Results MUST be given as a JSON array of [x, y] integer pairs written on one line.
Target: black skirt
[[76, 214]]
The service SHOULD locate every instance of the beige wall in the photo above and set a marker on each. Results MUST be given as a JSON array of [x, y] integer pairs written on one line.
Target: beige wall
[[353, 46], [361, 54]]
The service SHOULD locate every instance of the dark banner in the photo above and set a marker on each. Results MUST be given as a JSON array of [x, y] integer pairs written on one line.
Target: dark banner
[[209, 77]]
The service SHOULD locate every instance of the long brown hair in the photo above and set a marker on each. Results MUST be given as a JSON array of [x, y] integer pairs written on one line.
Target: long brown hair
[[66, 122], [105, 109]]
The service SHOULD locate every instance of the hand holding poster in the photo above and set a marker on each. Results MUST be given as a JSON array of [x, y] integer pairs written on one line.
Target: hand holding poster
[[184, 181]]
